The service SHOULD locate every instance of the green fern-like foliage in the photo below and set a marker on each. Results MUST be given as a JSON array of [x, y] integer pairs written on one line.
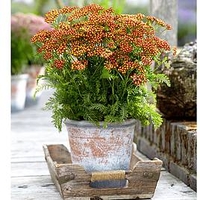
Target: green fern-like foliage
[[102, 97]]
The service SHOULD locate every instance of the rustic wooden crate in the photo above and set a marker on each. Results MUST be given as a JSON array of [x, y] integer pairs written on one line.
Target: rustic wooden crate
[[72, 181]]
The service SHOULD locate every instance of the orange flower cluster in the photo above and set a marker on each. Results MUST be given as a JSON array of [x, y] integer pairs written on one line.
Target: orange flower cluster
[[138, 79], [126, 43], [78, 65], [59, 64], [159, 22]]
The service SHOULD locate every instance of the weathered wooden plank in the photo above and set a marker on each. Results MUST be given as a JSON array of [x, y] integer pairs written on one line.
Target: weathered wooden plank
[[171, 188], [28, 169], [33, 188], [52, 162], [28, 142], [26, 158], [41, 187]]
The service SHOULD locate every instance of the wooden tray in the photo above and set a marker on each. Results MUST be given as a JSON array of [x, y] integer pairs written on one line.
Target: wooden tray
[[72, 181]]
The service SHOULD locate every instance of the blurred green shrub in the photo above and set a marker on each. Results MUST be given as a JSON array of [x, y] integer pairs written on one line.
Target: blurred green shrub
[[23, 52], [20, 51]]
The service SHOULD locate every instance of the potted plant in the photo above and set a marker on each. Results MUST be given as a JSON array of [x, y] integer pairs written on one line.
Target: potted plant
[[23, 52], [99, 64], [19, 45]]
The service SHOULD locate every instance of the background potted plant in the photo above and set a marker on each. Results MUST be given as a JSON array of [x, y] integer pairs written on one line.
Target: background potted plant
[[19, 49], [23, 52], [99, 64]]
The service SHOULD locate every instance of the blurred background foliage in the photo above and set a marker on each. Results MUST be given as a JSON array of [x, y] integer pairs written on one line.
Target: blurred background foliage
[[187, 19]]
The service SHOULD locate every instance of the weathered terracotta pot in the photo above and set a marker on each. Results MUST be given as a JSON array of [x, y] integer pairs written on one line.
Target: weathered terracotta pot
[[18, 92], [34, 71], [101, 149]]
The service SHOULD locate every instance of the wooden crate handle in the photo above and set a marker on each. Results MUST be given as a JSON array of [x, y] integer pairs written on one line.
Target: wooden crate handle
[[108, 175]]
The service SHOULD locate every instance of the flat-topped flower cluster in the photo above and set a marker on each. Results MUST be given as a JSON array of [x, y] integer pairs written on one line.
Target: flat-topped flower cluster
[[99, 63]]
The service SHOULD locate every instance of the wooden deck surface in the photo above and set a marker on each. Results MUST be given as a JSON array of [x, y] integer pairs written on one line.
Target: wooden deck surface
[[30, 178]]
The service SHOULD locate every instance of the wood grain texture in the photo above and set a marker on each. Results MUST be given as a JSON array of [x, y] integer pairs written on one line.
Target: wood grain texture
[[33, 187], [73, 181]]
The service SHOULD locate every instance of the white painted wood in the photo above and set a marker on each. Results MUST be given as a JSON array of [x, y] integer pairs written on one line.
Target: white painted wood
[[30, 178], [33, 188]]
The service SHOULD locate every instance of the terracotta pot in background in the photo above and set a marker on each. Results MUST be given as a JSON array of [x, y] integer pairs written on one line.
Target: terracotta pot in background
[[18, 92], [34, 71]]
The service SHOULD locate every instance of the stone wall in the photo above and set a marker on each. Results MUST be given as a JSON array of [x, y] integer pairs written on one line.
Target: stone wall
[[180, 100], [175, 143]]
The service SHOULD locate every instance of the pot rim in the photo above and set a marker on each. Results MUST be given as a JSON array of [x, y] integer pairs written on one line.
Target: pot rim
[[84, 123], [19, 76]]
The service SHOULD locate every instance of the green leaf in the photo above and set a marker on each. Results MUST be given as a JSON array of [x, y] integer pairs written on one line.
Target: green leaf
[[105, 74]]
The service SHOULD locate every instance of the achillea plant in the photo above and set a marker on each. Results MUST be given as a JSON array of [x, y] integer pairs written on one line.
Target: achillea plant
[[99, 64]]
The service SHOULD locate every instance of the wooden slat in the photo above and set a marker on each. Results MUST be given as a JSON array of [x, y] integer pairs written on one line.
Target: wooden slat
[[33, 188], [21, 169], [23, 159], [171, 188]]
